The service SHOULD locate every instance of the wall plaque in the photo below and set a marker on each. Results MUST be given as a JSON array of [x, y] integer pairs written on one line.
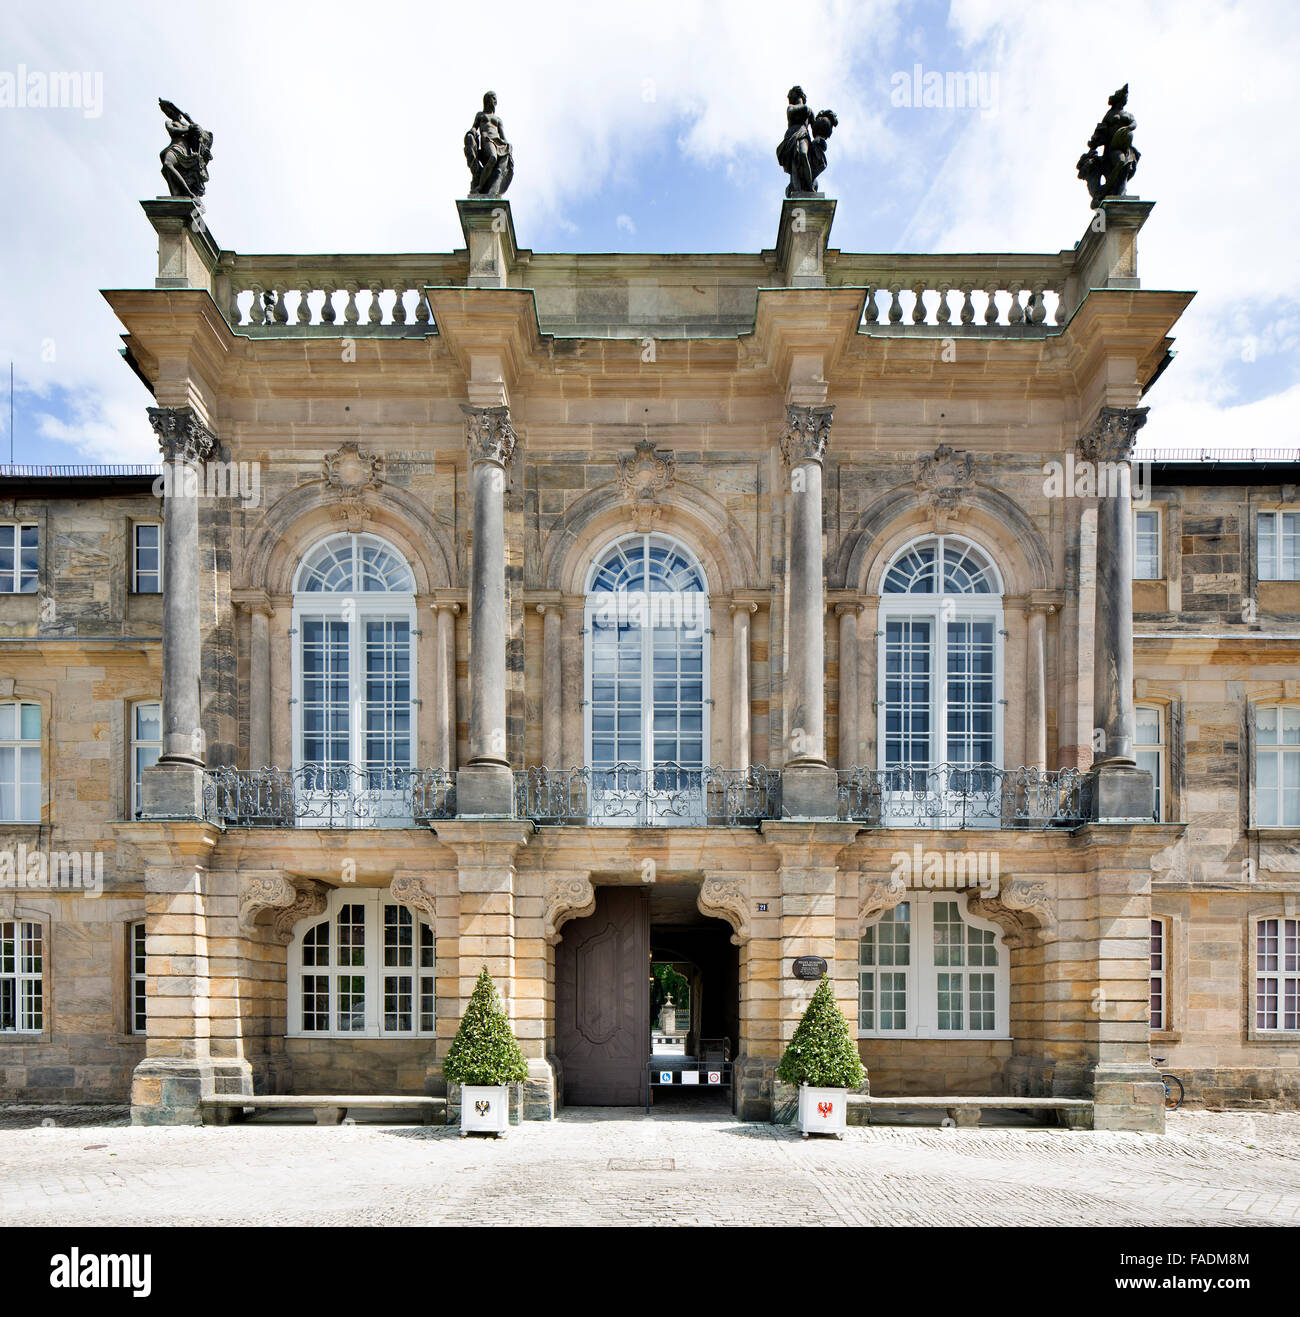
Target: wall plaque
[[809, 967]]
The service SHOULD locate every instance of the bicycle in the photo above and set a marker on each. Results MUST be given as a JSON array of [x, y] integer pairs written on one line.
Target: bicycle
[[1173, 1087]]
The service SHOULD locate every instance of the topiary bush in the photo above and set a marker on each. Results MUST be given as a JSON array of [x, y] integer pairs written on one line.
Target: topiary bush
[[822, 1053], [484, 1050]]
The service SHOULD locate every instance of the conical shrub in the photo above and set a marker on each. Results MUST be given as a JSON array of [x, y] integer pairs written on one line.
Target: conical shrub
[[822, 1053], [484, 1050]]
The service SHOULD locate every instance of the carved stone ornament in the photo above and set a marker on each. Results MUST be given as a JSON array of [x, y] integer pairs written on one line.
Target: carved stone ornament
[[566, 898], [646, 474], [726, 898], [944, 479], [415, 891], [878, 895], [309, 901], [349, 473], [806, 434], [181, 435], [1110, 438], [1020, 909], [263, 891], [489, 434]]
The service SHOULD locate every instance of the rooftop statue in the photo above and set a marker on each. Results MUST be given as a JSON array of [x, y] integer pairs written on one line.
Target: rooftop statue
[[802, 153], [1111, 158], [490, 158], [185, 158]]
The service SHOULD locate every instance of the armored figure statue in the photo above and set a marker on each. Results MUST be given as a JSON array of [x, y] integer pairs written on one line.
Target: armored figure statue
[[802, 153], [1111, 158], [185, 158], [489, 156]]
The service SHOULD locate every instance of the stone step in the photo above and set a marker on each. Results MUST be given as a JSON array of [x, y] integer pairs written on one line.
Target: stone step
[[330, 1108]]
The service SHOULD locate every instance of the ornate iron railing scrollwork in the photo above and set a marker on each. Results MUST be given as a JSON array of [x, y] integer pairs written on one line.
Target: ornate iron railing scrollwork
[[328, 796]]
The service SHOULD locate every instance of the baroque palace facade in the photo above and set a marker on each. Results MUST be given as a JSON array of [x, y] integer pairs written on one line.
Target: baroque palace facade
[[576, 615]]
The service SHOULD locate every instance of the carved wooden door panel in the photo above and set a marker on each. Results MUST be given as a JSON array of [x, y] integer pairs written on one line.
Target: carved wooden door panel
[[602, 1001]]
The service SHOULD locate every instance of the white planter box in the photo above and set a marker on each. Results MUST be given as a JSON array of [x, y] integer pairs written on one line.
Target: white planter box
[[484, 1110], [822, 1110]]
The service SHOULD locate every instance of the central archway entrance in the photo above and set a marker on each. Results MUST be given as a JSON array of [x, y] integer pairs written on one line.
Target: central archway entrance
[[607, 966]]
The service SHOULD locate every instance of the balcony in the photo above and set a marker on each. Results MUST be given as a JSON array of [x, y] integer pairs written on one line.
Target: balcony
[[328, 797]]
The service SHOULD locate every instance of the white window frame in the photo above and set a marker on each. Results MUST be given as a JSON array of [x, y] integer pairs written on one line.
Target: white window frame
[[921, 976], [27, 986], [136, 528], [1287, 757], [1158, 573], [1158, 985], [139, 745], [19, 745], [1154, 751], [373, 971], [136, 978], [1277, 937], [11, 582], [1271, 565]]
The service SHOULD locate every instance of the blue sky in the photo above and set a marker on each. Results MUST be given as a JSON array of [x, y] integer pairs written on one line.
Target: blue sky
[[650, 129]]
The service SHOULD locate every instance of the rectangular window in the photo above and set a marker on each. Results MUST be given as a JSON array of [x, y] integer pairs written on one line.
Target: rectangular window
[[20, 763], [1277, 767], [19, 552], [883, 956], [1149, 750], [146, 558], [22, 1002], [146, 746], [1277, 974], [1146, 545], [136, 975], [1279, 546], [1159, 979]]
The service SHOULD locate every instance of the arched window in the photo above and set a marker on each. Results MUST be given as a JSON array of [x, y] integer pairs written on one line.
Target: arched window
[[354, 662], [647, 677], [929, 969], [940, 657], [363, 969]]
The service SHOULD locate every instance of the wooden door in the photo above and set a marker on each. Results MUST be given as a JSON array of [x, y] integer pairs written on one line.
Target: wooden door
[[602, 1001]]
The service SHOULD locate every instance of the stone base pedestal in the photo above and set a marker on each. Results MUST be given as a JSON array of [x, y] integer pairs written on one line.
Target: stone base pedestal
[[485, 790], [1128, 1098], [1122, 795], [1030, 1076], [785, 1103], [167, 1090], [541, 1091], [753, 1078], [809, 791], [171, 791]]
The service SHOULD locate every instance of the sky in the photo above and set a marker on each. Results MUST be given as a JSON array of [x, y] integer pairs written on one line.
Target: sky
[[648, 127]]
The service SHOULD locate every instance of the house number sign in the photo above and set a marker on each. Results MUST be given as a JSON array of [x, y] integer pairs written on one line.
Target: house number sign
[[809, 967]]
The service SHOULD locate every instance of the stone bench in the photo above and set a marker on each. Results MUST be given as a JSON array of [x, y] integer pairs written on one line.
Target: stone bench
[[1073, 1113], [329, 1109]]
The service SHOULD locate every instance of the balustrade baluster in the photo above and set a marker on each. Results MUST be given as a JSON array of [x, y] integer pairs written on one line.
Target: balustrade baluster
[[918, 308], [991, 310], [375, 314], [327, 313], [967, 306], [350, 307], [945, 311], [399, 307], [895, 306], [1017, 313], [303, 316], [870, 311]]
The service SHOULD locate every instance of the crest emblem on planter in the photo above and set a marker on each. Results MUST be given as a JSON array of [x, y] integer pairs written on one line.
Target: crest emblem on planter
[[483, 1106], [824, 1109]]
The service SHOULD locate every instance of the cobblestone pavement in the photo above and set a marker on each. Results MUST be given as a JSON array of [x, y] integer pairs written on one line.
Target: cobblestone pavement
[[618, 1167]]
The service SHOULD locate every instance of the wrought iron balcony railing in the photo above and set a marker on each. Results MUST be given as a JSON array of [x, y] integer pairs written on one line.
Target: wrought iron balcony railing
[[628, 796], [964, 796], [327, 796]]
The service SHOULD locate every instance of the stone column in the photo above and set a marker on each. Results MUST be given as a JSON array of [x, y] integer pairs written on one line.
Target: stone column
[[1122, 791], [808, 786], [484, 786], [552, 685], [740, 729], [1036, 689], [259, 684], [444, 687], [848, 615]]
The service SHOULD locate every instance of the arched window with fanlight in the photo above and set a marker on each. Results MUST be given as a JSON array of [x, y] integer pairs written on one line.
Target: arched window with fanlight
[[354, 666], [646, 707], [940, 681]]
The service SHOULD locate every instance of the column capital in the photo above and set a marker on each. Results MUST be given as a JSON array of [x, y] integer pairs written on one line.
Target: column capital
[[853, 606], [553, 606], [807, 432], [182, 436], [1111, 436], [444, 606], [489, 434], [742, 606], [252, 601]]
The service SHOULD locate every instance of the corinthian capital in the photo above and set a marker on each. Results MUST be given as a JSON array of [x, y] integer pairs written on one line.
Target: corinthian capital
[[181, 435], [807, 431], [489, 434], [1111, 436]]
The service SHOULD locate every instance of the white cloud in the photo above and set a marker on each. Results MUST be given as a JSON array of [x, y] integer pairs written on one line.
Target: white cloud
[[625, 223]]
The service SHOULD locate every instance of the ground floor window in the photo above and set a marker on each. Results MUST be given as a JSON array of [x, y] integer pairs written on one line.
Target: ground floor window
[[136, 975], [363, 969], [929, 969], [1277, 974], [22, 964], [1159, 975]]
